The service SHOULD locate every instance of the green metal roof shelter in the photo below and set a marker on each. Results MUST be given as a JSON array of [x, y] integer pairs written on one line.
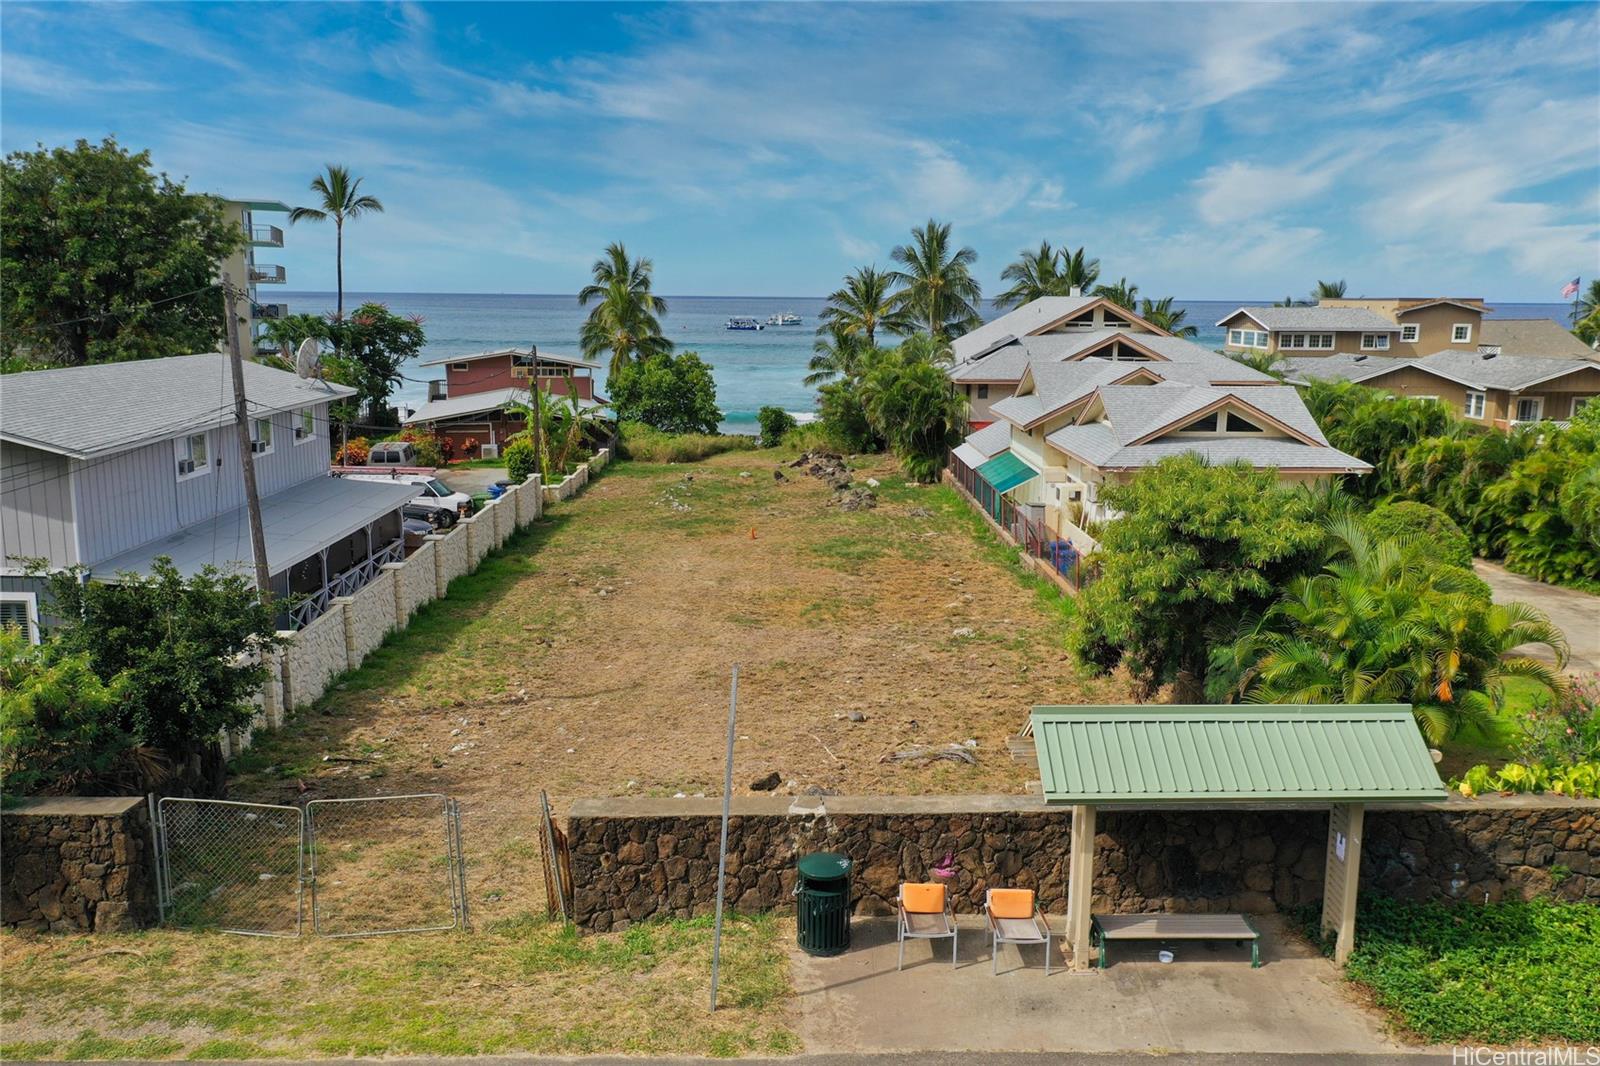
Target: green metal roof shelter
[[1344, 756], [1006, 471]]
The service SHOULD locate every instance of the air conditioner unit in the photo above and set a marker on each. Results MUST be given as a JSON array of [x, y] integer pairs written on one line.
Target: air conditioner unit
[[519, 373], [258, 446], [489, 451], [185, 466]]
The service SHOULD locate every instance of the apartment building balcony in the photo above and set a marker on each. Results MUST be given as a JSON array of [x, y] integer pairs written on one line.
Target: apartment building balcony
[[437, 390], [266, 236], [267, 312], [267, 274]]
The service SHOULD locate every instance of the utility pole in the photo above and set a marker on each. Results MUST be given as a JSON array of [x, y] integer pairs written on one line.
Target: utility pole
[[247, 457], [538, 419]]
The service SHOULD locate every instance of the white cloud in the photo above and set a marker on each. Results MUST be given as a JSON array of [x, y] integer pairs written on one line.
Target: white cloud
[[1236, 192]]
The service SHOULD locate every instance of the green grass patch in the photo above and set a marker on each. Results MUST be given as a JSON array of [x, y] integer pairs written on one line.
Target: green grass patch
[[1500, 973], [644, 444]]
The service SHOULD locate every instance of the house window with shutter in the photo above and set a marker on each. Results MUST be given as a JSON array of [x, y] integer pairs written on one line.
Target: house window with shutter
[[20, 610]]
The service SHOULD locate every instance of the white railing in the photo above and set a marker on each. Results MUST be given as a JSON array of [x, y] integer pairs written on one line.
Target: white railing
[[314, 605]]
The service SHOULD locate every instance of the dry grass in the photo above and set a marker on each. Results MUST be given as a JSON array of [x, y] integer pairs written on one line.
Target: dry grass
[[521, 985]]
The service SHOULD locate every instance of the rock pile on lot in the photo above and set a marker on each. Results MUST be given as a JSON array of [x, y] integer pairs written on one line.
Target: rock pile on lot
[[828, 466]]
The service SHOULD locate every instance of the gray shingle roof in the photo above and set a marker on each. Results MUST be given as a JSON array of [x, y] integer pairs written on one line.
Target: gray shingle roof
[[1274, 452], [991, 439], [1471, 369], [475, 403], [1533, 336], [1305, 368], [1337, 319], [1019, 322], [87, 411]]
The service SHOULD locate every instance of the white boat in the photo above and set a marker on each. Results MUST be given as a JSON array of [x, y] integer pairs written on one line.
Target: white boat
[[786, 318], [741, 322]]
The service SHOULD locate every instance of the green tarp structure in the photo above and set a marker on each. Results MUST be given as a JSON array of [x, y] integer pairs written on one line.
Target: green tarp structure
[[1005, 472], [1271, 753]]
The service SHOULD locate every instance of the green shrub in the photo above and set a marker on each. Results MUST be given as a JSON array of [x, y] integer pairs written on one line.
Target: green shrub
[[774, 422], [1428, 527], [637, 441], [1577, 779], [58, 721], [672, 393], [1514, 972], [521, 460], [843, 421]]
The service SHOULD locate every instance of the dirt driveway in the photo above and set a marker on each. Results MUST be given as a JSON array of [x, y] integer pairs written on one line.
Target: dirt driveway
[[591, 658]]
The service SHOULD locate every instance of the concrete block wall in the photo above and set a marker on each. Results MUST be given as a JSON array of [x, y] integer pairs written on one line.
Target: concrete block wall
[[479, 536], [312, 656], [450, 559], [369, 617], [530, 501], [415, 581]]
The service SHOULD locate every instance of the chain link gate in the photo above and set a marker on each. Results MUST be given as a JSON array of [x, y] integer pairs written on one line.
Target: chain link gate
[[377, 865]]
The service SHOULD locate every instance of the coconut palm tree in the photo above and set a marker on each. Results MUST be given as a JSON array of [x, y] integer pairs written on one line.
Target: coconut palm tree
[[1266, 362], [1078, 271], [837, 355], [1383, 623], [938, 291], [624, 318], [1328, 290], [1587, 303], [1032, 275], [1123, 293], [863, 305], [343, 201], [1161, 314], [557, 424]]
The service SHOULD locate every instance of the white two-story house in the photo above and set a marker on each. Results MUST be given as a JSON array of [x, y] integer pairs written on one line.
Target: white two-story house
[[112, 466]]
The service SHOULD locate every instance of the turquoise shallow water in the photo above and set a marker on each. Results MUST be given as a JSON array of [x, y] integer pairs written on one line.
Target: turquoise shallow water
[[752, 369]]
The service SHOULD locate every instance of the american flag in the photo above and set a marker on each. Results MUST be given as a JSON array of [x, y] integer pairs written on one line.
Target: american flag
[[1570, 289]]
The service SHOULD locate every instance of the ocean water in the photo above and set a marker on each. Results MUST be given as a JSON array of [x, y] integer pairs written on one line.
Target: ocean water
[[752, 370]]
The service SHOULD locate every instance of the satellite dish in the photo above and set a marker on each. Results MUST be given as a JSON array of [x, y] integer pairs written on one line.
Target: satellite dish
[[308, 359]]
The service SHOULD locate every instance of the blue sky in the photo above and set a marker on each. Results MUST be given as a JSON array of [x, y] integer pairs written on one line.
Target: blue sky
[[1202, 150]]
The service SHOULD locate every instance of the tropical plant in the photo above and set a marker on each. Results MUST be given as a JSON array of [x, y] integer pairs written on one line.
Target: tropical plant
[[836, 354], [625, 319], [1266, 362], [673, 393], [1563, 728], [1383, 622], [861, 307], [291, 331], [842, 419], [102, 259], [1549, 508], [341, 199], [1122, 293], [1579, 780], [353, 452], [1328, 290], [1078, 271], [521, 459], [58, 721], [1427, 527], [775, 422], [912, 404], [559, 427], [1588, 302], [370, 347], [1034, 274], [1161, 314], [1194, 543], [938, 292], [1377, 427]]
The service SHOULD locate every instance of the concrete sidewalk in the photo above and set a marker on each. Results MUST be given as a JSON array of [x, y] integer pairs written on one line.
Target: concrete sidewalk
[[1576, 613], [1209, 1000]]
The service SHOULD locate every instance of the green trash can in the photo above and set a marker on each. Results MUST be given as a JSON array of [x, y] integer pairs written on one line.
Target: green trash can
[[822, 903]]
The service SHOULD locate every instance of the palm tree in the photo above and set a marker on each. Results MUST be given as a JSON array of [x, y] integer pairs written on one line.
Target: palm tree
[[1382, 623], [342, 201], [938, 291], [1266, 362], [863, 305], [1078, 271], [1587, 303], [1032, 275], [838, 355], [1328, 290], [1123, 294], [624, 319], [1161, 314], [563, 424]]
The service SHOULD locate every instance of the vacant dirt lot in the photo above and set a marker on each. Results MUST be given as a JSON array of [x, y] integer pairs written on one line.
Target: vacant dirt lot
[[592, 658]]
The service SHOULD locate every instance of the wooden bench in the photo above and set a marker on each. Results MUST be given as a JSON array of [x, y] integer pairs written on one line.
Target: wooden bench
[[1234, 927]]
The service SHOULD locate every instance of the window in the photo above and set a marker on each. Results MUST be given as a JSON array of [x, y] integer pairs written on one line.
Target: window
[[1461, 333], [983, 392], [1247, 338], [521, 358], [1530, 408], [307, 429], [1374, 342], [192, 456], [20, 609], [1578, 403], [261, 436], [459, 367], [1474, 405], [1240, 425], [1410, 332], [1208, 424], [1312, 341]]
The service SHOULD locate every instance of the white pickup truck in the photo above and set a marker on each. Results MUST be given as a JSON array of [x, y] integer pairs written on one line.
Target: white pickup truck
[[444, 504]]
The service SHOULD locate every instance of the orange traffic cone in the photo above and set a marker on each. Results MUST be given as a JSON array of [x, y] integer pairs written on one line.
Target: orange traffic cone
[[752, 532]]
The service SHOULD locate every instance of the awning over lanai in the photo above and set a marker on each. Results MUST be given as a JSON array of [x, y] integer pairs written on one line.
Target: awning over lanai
[[1343, 756], [1006, 471]]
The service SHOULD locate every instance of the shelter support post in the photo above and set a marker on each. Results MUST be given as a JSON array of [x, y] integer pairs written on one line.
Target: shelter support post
[[1343, 871], [1080, 884]]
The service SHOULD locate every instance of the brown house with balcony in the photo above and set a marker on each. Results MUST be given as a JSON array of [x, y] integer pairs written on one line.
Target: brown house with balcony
[[475, 400], [1502, 391], [1407, 327]]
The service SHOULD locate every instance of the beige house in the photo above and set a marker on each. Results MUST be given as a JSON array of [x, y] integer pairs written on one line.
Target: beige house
[[1502, 391], [248, 273], [1407, 327], [1075, 426], [989, 361]]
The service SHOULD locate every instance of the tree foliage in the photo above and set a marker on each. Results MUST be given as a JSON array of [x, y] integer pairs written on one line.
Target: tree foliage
[[1195, 545], [672, 393], [102, 259], [565, 429], [911, 403], [625, 319], [370, 348], [862, 307], [1046, 272], [1427, 527], [340, 198], [59, 728], [775, 423], [938, 291]]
